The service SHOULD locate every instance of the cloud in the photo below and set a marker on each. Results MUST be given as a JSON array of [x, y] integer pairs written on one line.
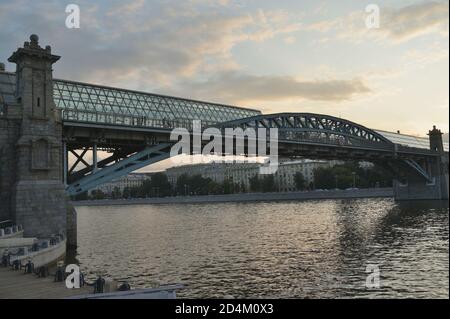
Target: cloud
[[396, 24], [128, 8], [235, 87], [415, 20], [141, 44], [434, 53], [289, 40]]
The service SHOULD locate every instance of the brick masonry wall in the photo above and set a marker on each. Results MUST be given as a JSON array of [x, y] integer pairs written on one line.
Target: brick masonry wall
[[40, 206], [9, 133], [34, 184]]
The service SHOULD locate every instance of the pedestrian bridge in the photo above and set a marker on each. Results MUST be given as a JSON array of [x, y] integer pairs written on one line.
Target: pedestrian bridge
[[133, 127], [89, 105], [43, 120]]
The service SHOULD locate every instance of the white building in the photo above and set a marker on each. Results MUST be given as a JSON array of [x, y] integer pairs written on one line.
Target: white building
[[285, 175], [218, 172], [130, 181], [241, 173]]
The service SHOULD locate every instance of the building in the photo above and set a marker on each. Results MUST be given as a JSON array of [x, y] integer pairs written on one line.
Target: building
[[130, 181], [218, 172], [285, 175], [241, 173]]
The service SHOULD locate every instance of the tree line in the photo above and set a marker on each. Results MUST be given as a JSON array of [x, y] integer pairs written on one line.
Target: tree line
[[342, 176]]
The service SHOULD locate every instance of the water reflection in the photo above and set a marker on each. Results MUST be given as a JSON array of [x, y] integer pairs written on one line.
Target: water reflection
[[293, 250]]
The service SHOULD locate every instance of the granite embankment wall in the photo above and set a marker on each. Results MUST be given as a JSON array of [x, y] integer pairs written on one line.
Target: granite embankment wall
[[252, 197]]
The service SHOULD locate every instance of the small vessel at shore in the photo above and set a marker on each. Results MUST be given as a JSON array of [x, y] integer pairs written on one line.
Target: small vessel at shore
[[14, 248], [36, 255], [8, 230], [163, 292]]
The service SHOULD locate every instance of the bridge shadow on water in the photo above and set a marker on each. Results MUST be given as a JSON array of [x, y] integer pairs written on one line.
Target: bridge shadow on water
[[392, 239], [372, 224]]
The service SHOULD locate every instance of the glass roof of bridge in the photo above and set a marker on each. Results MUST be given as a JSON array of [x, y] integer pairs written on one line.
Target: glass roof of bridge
[[409, 140], [86, 99], [7, 88], [82, 97]]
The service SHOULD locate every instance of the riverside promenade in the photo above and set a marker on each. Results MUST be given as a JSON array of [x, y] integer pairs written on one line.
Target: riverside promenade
[[17, 285], [247, 197]]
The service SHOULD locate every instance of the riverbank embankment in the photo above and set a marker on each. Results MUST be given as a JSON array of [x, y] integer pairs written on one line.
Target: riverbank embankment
[[250, 197]]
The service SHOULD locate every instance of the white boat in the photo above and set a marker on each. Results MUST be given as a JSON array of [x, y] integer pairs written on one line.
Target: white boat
[[43, 256], [163, 292]]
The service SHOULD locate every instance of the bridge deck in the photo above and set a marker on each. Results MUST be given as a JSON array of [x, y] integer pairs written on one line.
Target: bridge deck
[[17, 285]]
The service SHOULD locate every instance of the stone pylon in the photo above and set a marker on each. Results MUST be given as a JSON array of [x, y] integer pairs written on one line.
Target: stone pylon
[[39, 200]]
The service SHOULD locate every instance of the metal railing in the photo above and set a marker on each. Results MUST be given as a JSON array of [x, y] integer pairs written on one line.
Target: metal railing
[[126, 120]]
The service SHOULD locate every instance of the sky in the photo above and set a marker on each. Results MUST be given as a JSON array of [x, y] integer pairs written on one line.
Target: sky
[[276, 56]]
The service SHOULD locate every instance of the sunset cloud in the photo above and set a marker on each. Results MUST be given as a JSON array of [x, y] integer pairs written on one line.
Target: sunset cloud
[[275, 56], [241, 88], [396, 24]]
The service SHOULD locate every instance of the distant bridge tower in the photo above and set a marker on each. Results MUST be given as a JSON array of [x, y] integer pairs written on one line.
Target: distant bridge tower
[[413, 186], [38, 198], [436, 144]]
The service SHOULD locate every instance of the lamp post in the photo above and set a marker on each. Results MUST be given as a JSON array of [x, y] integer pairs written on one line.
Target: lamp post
[[354, 179]]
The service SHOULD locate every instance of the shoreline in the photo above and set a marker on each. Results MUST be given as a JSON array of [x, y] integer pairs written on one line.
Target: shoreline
[[247, 197]]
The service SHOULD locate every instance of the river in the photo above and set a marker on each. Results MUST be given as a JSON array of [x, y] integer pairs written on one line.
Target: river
[[310, 249]]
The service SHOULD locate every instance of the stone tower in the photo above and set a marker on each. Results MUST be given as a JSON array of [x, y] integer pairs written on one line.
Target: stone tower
[[38, 200], [436, 143]]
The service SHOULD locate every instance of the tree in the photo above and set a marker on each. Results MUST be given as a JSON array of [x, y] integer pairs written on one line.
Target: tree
[[255, 185], [227, 187], [343, 176], [160, 185], [126, 192], [324, 178], [215, 188], [82, 196], [198, 184], [265, 183], [182, 185], [116, 193], [300, 181], [97, 194], [268, 184], [135, 192]]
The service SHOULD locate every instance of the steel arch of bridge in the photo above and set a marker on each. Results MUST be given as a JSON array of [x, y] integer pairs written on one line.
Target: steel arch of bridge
[[299, 134], [314, 128]]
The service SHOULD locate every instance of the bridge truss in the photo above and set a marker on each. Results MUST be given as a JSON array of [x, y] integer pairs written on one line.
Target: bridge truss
[[315, 128], [300, 135], [121, 164]]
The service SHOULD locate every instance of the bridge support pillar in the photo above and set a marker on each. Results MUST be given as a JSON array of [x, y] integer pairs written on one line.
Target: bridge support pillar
[[415, 187], [39, 200]]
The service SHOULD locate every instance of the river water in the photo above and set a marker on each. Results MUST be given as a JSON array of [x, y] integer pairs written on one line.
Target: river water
[[311, 249]]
